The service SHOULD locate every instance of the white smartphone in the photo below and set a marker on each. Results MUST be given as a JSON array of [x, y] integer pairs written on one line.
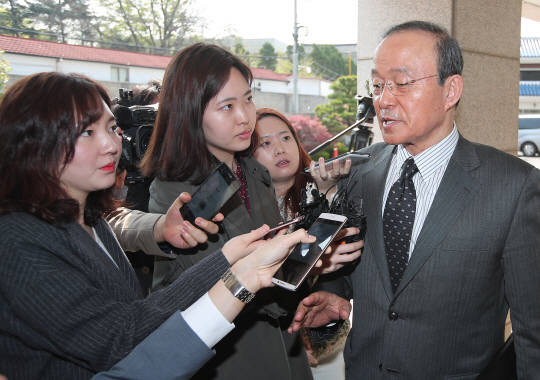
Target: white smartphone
[[304, 256]]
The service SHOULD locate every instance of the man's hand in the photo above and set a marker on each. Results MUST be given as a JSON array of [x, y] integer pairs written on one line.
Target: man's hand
[[180, 233], [319, 309], [338, 254]]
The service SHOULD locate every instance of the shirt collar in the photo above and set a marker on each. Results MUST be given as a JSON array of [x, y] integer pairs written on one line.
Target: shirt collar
[[432, 158]]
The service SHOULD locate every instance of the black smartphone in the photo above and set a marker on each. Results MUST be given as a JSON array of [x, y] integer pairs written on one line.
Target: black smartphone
[[215, 191], [304, 256]]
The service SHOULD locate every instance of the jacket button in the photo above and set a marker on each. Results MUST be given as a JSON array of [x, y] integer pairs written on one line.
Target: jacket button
[[393, 316], [380, 367]]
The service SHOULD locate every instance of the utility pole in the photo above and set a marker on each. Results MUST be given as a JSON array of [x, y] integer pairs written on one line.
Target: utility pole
[[295, 63]]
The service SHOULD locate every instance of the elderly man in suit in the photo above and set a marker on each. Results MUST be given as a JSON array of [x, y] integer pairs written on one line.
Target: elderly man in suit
[[453, 237]]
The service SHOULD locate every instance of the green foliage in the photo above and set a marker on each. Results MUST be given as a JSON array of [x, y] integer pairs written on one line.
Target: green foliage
[[152, 26], [4, 73], [324, 154], [285, 65], [68, 18], [329, 62], [16, 14], [156, 23], [342, 148], [289, 53], [242, 52], [340, 112], [268, 58], [328, 152]]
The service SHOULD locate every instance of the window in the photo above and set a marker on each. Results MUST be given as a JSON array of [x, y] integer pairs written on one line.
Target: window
[[119, 74], [530, 75]]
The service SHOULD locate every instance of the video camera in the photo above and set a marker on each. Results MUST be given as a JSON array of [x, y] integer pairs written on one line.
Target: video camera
[[137, 122]]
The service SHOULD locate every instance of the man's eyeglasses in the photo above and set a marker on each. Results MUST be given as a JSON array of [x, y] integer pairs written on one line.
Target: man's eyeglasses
[[397, 88]]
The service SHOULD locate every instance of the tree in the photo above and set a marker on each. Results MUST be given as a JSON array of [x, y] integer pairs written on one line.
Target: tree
[[329, 62], [311, 132], [290, 48], [68, 18], [240, 51], [13, 14], [268, 58], [155, 23], [340, 112], [4, 73]]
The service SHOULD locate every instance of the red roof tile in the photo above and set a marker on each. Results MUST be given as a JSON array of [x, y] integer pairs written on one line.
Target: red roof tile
[[81, 53], [319, 79], [40, 48], [259, 73]]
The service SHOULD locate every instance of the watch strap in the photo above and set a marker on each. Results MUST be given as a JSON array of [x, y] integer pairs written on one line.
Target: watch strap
[[236, 288]]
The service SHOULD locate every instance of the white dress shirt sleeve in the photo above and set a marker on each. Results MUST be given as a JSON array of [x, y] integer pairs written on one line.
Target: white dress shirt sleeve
[[207, 321]]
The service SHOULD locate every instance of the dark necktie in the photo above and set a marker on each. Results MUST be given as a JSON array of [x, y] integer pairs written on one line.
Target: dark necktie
[[398, 222]]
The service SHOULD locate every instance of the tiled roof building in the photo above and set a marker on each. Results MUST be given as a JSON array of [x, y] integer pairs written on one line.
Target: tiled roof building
[[40, 48]]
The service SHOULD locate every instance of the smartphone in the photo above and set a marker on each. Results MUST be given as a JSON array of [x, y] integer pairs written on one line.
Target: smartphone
[[215, 191], [342, 158], [304, 256], [287, 223]]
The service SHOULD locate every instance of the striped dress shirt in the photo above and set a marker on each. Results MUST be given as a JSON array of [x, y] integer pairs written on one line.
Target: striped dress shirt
[[431, 165]]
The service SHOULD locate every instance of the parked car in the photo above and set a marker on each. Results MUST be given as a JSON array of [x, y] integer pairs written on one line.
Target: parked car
[[529, 134]]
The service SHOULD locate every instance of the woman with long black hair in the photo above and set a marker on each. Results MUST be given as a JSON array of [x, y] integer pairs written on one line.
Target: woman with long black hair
[[207, 116]]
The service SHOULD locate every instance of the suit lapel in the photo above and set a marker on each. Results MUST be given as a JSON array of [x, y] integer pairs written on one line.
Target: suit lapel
[[237, 215], [456, 191], [373, 183], [262, 208], [97, 263], [107, 237]]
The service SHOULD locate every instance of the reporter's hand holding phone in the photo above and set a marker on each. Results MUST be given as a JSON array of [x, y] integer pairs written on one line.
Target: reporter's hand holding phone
[[180, 233], [325, 177], [339, 254], [254, 271], [241, 246]]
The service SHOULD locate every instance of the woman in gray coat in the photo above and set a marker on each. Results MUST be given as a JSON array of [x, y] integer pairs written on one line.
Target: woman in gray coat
[[207, 116]]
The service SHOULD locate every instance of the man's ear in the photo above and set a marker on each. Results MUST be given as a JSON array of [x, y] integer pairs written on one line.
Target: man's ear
[[453, 89]]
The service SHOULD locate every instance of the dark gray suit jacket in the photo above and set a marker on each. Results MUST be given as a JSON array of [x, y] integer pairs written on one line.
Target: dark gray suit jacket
[[477, 254], [66, 311]]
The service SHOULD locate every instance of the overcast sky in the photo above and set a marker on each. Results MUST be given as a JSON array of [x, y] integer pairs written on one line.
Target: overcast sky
[[530, 28], [326, 21]]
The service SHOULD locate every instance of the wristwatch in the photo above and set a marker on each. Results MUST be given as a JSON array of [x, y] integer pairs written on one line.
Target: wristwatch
[[236, 288]]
